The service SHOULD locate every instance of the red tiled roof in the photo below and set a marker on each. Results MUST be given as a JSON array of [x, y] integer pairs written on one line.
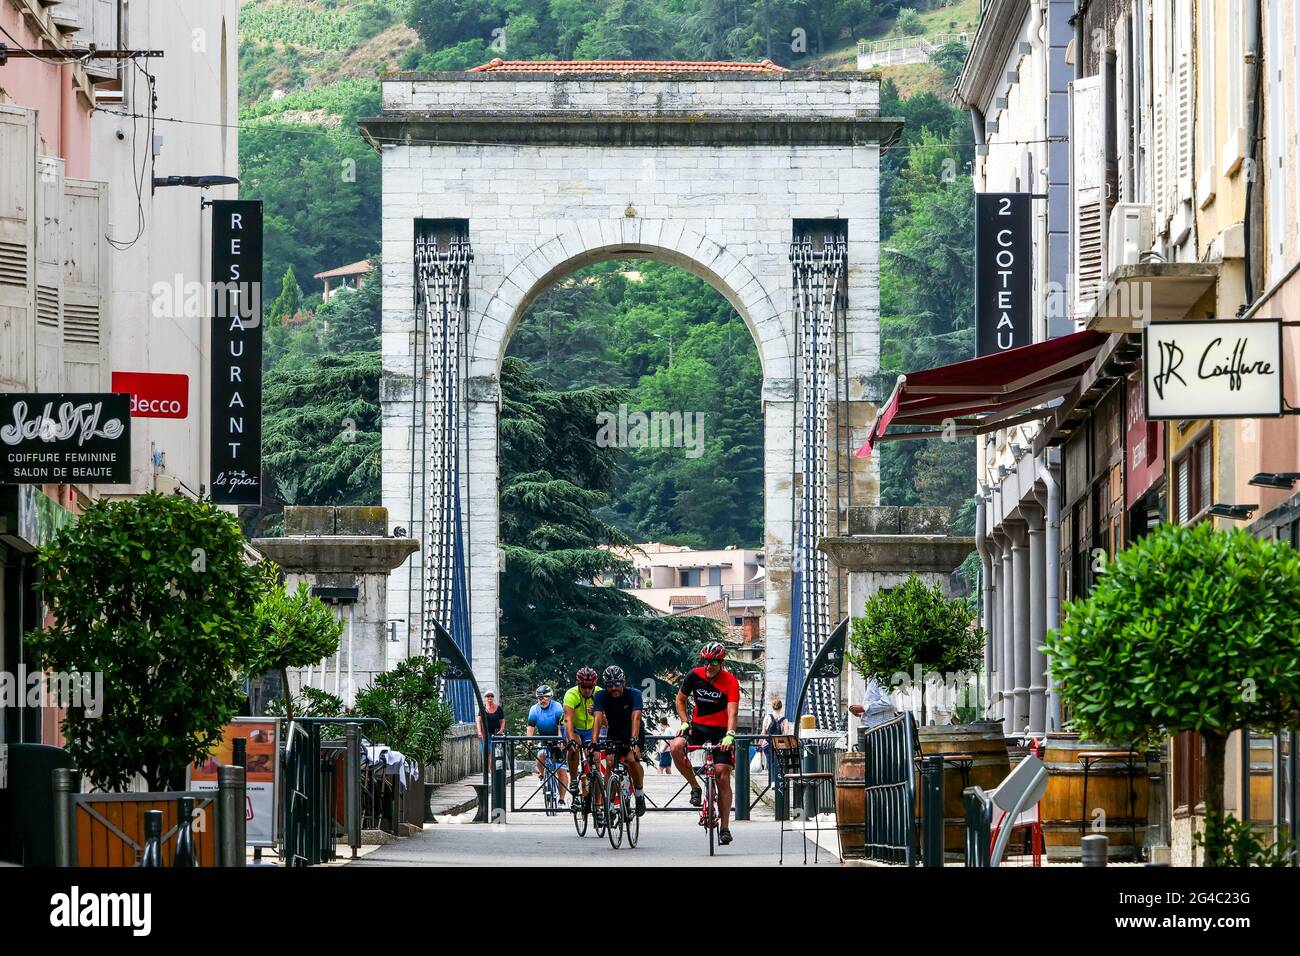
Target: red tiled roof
[[499, 65], [352, 269]]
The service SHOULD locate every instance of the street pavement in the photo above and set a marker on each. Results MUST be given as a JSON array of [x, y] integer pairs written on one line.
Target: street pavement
[[668, 838]]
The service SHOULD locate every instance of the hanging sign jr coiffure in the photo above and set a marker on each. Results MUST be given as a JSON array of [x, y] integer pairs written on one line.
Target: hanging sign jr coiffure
[[1003, 272], [1213, 369], [236, 444]]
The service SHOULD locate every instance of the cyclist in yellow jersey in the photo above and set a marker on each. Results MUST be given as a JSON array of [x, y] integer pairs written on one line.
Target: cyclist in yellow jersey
[[578, 715]]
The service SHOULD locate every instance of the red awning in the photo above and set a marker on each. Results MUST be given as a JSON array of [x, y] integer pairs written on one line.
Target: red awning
[[986, 393]]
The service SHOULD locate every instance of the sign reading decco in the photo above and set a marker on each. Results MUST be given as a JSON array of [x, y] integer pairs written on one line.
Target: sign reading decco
[[65, 439], [155, 395], [1004, 239], [1213, 369], [236, 446]]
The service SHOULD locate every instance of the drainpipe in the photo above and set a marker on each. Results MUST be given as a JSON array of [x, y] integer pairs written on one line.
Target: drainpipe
[[1008, 675], [1047, 466], [986, 593], [1254, 197], [977, 125]]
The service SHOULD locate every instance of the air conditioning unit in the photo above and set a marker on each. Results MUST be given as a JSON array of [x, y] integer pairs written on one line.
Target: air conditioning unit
[[1131, 233]]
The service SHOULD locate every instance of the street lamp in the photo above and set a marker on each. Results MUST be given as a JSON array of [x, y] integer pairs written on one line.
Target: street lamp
[[1281, 479], [1234, 512], [203, 182]]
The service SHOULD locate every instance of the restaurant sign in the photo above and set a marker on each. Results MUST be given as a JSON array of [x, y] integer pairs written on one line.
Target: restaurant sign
[[62, 438], [1213, 369]]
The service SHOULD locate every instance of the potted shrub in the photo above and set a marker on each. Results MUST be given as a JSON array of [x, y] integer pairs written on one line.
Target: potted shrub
[[291, 630], [913, 626], [1188, 629]]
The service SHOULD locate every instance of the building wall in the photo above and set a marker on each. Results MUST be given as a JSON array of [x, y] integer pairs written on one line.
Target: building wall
[[154, 291]]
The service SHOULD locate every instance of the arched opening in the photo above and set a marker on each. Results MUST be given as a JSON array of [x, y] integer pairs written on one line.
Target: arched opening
[[652, 373]]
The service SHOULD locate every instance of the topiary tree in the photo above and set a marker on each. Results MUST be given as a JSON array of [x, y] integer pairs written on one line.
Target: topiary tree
[[407, 700], [1188, 629], [155, 594], [291, 630], [913, 625]]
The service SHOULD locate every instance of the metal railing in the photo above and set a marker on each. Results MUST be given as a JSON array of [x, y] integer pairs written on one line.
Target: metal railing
[[929, 43], [309, 803], [979, 827], [744, 592], [889, 798]]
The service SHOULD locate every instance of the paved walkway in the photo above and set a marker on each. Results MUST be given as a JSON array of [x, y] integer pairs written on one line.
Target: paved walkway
[[668, 838]]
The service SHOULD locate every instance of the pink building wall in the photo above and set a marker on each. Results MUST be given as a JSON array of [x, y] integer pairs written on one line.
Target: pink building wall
[[1273, 444], [63, 116]]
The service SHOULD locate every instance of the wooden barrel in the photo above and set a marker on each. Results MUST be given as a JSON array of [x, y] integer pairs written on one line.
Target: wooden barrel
[[850, 811], [987, 748], [1261, 778], [1122, 800]]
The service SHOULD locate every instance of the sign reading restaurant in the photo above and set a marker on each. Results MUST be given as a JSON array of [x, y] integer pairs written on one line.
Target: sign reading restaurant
[[1213, 369], [236, 444], [64, 438], [1003, 272]]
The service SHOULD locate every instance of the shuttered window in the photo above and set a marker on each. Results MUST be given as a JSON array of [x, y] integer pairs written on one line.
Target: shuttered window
[[1194, 480], [85, 339], [1088, 169], [17, 248]]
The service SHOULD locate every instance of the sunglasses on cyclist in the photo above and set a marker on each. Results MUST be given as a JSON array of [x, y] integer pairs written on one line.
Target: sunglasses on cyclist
[[615, 683]]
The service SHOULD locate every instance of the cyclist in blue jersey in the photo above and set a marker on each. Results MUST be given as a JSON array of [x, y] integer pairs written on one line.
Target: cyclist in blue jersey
[[546, 719]]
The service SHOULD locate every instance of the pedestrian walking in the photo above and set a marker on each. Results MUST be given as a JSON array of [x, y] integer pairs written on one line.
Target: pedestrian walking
[[496, 721], [665, 754], [776, 725]]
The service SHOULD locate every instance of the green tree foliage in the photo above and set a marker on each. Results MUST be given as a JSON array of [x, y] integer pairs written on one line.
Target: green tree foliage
[[1188, 629], [289, 301], [407, 700], [553, 477], [154, 594], [914, 625], [678, 347], [291, 629]]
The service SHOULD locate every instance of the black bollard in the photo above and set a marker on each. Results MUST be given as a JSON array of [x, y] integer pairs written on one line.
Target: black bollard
[[185, 856], [152, 838]]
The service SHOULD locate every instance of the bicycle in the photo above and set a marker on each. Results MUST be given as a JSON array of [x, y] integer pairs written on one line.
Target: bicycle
[[588, 795], [620, 803], [703, 767], [550, 781]]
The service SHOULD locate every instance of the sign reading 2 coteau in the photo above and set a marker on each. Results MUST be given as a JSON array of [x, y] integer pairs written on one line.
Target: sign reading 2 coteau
[[1003, 272], [236, 445], [1213, 369], [64, 438]]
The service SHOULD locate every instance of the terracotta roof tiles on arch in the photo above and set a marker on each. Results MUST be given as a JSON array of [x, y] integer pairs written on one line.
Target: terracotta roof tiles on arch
[[499, 65]]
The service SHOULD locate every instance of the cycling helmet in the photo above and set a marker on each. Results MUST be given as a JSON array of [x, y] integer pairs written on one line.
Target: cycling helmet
[[614, 675], [713, 651], [586, 677], [544, 691]]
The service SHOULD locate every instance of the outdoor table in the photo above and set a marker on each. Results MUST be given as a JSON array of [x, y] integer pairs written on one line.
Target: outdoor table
[[1090, 757]]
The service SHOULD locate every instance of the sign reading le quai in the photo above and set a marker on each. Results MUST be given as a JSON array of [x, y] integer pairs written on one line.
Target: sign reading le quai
[[236, 448], [1213, 369], [63, 438], [1003, 277]]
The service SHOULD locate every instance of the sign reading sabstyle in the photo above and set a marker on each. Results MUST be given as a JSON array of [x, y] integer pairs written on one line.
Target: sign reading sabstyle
[[1003, 272], [1213, 369], [63, 438], [236, 447]]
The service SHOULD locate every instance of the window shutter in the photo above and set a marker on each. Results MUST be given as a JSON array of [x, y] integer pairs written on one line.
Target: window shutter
[[1159, 147], [1184, 489], [85, 338], [101, 30], [49, 274], [1088, 169], [17, 249], [1183, 121], [1205, 474]]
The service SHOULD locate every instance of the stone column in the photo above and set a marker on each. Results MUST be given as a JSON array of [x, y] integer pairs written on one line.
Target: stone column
[[1020, 566], [993, 639], [347, 551], [1007, 668], [1037, 622]]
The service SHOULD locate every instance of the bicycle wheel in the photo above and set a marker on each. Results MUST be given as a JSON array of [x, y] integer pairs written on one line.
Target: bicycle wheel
[[633, 822], [548, 791], [600, 819], [580, 809], [614, 811], [710, 813]]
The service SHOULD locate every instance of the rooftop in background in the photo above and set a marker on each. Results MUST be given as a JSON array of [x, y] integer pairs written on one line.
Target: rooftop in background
[[353, 269], [499, 65]]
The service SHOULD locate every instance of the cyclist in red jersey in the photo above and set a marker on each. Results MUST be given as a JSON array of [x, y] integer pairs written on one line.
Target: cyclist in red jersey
[[715, 697]]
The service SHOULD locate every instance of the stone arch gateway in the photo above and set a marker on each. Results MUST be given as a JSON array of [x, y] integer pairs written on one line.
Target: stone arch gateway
[[499, 181]]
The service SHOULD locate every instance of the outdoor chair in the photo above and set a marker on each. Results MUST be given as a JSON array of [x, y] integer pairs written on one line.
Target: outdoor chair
[[785, 751], [1015, 804]]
